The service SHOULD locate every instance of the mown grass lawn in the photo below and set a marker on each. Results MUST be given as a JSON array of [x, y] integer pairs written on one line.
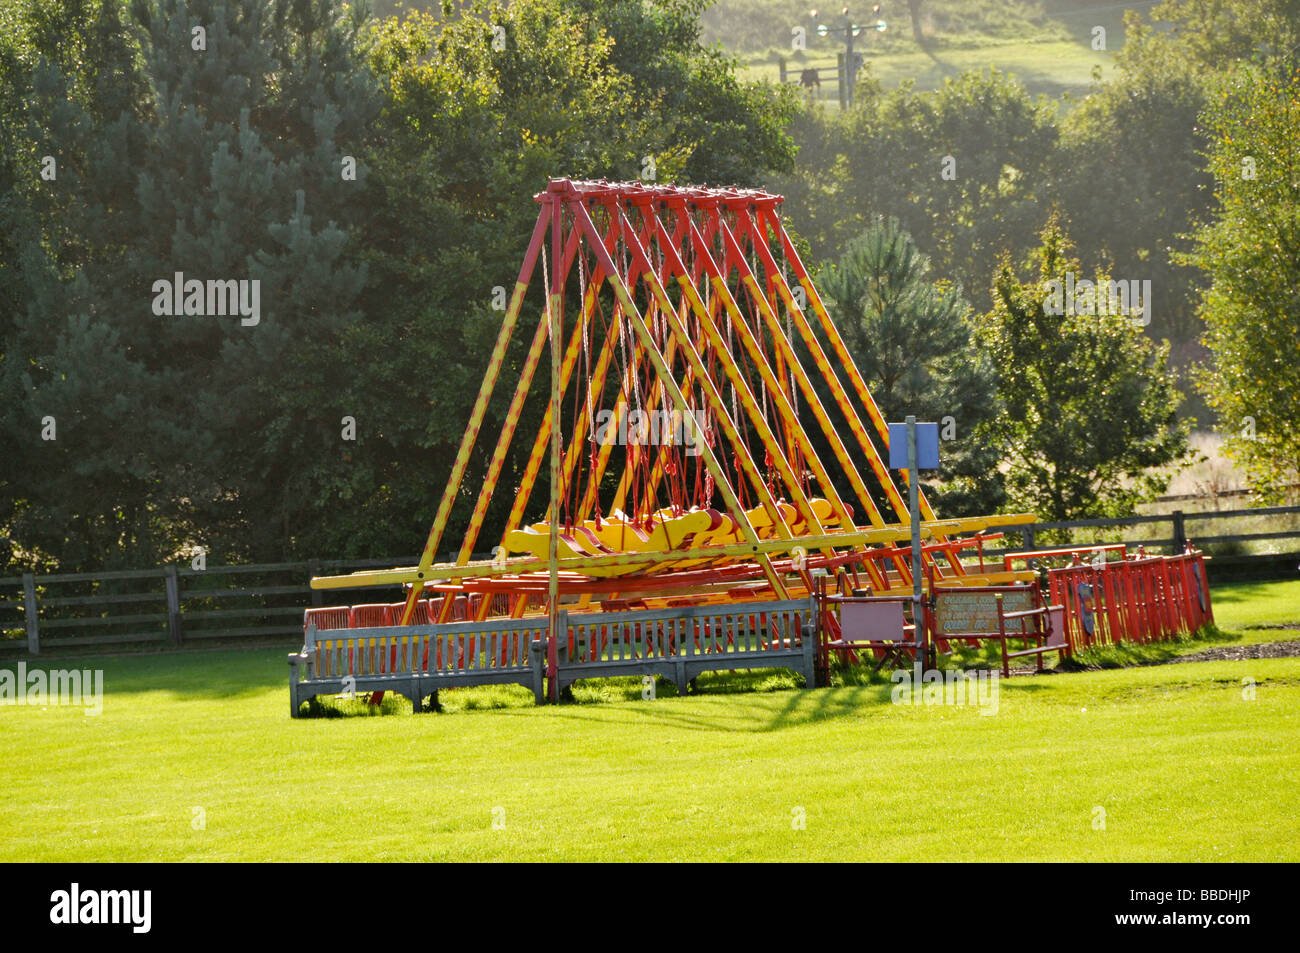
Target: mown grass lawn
[[1183, 762], [1256, 610]]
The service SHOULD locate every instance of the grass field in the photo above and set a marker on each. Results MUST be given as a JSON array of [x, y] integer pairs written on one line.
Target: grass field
[[1048, 46], [1255, 608], [1050, 67], [195, 758]]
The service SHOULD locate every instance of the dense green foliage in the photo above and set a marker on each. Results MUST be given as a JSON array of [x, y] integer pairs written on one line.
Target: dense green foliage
[[174, 432], [911, 338], [962, 168], [1214, 34], [1131, 181], [1088, 399], [231, 162], [217, 164], [1251, 252], [1124, 169]]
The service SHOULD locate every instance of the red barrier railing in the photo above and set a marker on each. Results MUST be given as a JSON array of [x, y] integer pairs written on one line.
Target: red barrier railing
[[1139, 599], [1136, 599]]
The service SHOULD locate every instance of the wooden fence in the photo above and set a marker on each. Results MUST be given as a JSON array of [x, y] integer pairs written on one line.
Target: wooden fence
[[166, 607], [1181, 527], [832, 78], [177, 605]]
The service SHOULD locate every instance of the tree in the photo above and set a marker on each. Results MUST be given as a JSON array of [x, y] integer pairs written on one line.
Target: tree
[[232, 159], [218, 157], [1216, 34], [965, 168], [1088, 402], [1130, 200], [1251, 255], [815, 206], [71, 477], [914, 12], [912, 340]]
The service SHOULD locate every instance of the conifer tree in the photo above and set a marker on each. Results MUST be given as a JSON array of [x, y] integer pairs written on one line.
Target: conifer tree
[[911, 338]]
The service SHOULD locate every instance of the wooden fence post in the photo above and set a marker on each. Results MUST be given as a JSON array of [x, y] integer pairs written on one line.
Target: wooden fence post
[[781, 65], [316, 600], [839, 72], [173, 604], [29, 606], [1179, 544]]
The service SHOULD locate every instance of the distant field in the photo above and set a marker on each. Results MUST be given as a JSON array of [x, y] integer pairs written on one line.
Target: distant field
[[1052, 68], [195, 758], [1048, 45]]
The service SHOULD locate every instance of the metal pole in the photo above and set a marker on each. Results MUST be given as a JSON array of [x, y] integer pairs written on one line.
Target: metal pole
[[915, 511], [553, 306], [848, 61]]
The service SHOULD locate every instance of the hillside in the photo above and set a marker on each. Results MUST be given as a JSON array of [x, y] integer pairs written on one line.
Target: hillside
[[1047, 43]]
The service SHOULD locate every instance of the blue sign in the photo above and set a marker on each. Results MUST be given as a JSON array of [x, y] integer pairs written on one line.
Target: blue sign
[[927, 446]]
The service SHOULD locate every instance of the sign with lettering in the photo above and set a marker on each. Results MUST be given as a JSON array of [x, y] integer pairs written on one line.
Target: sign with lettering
[[957, 612]]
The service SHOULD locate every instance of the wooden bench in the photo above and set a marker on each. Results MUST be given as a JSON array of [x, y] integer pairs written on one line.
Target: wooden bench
[[679, 643], [417, 660]]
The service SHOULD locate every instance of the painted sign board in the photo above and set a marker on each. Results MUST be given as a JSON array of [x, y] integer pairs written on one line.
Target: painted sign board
[[956, 611]]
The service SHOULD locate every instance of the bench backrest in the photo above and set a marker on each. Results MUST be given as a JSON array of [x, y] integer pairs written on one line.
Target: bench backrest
[[452, 647], [688, 630], [506, 643]]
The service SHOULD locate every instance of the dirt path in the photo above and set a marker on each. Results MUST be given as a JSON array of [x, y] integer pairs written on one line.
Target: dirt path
[[1229, 653], [1235, 653]]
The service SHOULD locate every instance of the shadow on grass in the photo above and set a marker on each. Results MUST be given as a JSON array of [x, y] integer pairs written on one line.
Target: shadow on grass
[[1238, 592], [750, 702], [749, 695], [745, 714], [243, 663], [223, 675]]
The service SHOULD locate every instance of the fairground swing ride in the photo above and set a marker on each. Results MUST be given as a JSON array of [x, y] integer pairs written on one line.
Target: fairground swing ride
[[690, 311], [692, 523]]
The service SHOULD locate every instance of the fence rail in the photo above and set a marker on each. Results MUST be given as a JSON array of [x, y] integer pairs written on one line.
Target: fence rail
[[167, 606], [1182, 529], [832, 76], [174, 605]]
